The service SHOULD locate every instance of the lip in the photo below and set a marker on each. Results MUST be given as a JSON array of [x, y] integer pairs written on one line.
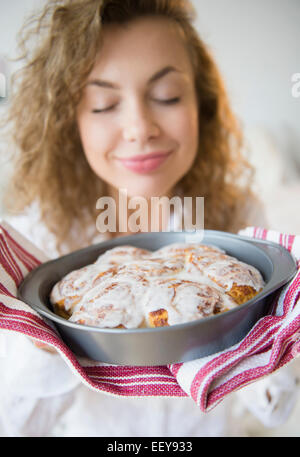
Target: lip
[[145, 163]]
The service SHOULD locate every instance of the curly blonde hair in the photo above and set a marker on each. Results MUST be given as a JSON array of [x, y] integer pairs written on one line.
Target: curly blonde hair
[[49, 162]]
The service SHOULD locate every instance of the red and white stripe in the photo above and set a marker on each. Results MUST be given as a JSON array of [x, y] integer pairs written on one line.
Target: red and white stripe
[[273, 342]]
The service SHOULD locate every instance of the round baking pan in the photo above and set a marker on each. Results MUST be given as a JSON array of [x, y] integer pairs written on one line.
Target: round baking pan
[[163, 345]]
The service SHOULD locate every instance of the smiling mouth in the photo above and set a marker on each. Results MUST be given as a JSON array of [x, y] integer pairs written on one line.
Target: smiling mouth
[[145, 164]]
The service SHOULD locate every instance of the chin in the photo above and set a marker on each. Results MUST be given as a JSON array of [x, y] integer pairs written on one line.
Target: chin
[[147, 191]]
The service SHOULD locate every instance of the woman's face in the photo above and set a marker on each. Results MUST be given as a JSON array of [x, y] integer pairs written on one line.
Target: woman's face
[[139, 100]]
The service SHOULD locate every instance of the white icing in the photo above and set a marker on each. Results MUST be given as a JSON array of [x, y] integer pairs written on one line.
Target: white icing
[[125, 284]]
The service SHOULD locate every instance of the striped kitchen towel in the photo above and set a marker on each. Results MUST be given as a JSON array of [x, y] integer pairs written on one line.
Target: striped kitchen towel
[[272, 342]]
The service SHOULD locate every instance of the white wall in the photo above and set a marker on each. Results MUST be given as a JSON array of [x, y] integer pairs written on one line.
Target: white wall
[[257, 46]]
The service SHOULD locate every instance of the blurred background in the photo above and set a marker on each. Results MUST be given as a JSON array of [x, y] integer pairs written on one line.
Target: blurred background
[[257, 46]]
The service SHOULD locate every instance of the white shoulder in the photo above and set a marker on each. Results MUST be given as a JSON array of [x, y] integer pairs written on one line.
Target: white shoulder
[[29, 225]]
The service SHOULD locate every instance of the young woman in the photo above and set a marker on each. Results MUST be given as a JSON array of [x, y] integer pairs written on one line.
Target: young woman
[[105, 82]]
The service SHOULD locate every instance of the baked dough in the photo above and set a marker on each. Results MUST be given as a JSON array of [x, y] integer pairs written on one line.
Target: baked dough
[[128, 287]]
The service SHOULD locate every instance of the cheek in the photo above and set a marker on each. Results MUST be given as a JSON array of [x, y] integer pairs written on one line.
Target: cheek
[[96, 139], [185, 128]]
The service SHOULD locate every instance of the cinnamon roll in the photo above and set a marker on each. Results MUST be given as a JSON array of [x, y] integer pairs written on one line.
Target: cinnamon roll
[[176, 301], [113, 304], [129, 287]]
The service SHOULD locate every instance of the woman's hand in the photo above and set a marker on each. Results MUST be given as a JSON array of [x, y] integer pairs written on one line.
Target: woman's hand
[[44, 346]]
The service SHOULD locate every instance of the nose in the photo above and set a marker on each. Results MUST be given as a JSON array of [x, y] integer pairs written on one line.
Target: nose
[[140, 125]]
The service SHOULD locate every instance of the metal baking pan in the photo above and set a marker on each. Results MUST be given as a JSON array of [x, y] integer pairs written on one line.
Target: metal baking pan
[[164, 345]]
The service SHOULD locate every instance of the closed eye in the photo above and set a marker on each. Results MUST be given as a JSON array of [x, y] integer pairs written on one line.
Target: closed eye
[[104, 110], [169, 101]]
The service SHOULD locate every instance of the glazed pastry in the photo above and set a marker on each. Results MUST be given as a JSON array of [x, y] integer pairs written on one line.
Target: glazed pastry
[[69, 291], [121, 254], [240, 280], [114, 304], [183, 301], [129, 287]]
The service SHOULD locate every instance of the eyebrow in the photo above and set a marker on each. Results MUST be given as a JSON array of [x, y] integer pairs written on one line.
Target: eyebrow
[[158, 75]]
